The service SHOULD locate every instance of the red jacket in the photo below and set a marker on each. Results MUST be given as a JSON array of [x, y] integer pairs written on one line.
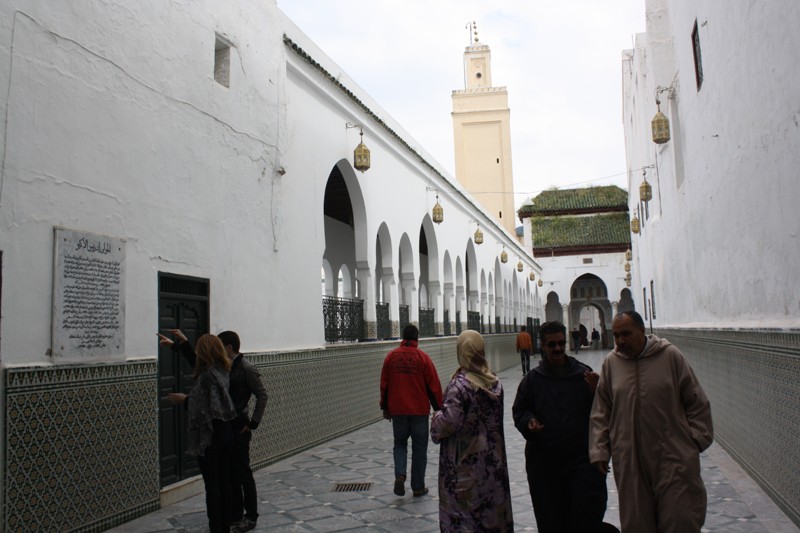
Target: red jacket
[[409, 382]]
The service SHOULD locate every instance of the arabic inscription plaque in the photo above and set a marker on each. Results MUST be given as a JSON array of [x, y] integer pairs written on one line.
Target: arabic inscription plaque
[[88, 296]]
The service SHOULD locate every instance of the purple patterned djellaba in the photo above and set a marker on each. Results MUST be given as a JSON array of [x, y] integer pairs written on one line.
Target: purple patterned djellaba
[[474, 492]]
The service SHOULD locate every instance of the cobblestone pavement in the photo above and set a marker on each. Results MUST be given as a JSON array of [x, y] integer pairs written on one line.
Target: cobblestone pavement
[[296, 493]]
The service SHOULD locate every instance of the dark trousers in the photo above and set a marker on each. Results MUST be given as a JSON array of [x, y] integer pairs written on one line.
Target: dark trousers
[[416, 427], [569, 499], [525, 356], [244, 500], [215, 465]]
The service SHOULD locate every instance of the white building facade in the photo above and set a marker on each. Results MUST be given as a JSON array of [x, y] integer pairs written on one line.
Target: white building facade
[[189, 165], [714, 265]]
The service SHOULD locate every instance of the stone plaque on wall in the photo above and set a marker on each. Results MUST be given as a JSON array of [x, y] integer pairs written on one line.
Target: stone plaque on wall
[[88, 296]]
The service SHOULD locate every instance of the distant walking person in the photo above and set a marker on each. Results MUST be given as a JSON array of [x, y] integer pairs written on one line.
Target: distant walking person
[[595, 339], [474, 492], [551, 410], [524, 345], [652, 418], [409, 388], [576, 339]]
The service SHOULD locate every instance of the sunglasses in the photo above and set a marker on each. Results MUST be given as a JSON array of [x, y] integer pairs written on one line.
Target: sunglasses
[[553, 344]]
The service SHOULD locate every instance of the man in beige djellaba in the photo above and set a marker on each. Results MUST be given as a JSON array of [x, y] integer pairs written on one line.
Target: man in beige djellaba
[[651, 417]]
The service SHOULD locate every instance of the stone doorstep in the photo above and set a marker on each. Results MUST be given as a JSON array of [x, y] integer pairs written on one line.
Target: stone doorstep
[[182, 490]]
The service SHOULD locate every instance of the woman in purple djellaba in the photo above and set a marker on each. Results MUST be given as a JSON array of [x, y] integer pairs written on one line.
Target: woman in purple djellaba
[[474, 494]]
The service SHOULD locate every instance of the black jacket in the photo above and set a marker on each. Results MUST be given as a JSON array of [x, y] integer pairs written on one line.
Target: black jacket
[[562, 404]]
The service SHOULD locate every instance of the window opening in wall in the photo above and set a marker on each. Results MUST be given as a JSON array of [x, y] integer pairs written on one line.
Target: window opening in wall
[[652, 300], [698, 61], [222, 61], [644, 301], [588, 260], [500, 214]]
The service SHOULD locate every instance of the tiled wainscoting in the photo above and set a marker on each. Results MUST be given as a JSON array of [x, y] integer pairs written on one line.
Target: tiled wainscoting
[[81, 446], [81, 442], [752, 378]]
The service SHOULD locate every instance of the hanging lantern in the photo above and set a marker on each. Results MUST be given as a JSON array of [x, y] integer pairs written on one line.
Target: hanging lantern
[[540, 282], [361, 155], [645, 191], [628, 276], [628, 255], [438, 212], [627, 267], [532, 276], [520, 266], [628, 282], [478, 237], [660, 126], [504, 257], [635, 226]]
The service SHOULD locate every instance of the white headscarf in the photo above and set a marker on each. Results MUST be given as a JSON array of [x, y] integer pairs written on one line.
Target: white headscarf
[[472, 360]]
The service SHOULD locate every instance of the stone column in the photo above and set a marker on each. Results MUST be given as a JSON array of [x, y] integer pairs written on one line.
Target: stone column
[[367, 294]]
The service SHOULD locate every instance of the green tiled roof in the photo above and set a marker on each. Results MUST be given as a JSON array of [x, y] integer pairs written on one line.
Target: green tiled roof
[[586, 199], [569, 231]]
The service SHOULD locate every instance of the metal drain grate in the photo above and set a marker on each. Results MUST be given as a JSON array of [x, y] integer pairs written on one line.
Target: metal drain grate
[[352, 487]]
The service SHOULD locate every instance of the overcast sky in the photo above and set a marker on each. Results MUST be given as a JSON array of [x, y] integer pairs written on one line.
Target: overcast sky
[[559, 59]]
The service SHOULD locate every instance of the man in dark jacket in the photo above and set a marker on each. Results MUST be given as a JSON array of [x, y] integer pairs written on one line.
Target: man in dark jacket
[[551, 410], [245, 382], [410, 386]]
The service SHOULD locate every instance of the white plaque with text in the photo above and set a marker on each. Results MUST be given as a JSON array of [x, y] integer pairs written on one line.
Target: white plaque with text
[[88, 296]]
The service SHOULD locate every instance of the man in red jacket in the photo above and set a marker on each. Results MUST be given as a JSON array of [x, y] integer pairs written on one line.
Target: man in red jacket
[[410, 386]]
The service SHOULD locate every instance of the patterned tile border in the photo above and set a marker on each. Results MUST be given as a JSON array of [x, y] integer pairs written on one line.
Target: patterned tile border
[[752, 378]]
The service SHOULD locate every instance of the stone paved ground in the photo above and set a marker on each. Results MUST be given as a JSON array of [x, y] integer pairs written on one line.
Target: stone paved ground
[[296, 494]]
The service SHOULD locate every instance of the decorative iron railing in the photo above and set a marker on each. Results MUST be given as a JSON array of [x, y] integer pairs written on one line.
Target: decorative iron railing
[[458, 322], [343, 318], [427, 327], [446, 320], [404, 321], [474, 320], [384, 324]]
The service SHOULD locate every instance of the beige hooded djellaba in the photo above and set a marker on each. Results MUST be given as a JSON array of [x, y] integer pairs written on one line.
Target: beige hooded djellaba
[[652, 418]]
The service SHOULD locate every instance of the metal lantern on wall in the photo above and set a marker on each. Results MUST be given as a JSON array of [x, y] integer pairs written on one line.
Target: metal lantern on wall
[[478, 237], [635, 225], [628, 276], [660, 126], [627, 267], [438, 212], [627, 283], [361, 155], [628, 255], [540, 282], [532, 276], [520, 266], [645, 191], [504, 257]]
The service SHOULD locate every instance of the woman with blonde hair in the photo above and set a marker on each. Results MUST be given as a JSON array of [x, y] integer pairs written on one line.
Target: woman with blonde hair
[[474, 493], [209, 428]]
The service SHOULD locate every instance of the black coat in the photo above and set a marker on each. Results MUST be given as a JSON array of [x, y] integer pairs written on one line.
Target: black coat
[[562, 404]]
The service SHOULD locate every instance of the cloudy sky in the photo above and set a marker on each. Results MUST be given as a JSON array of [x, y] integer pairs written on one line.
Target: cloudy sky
[[559, 59]]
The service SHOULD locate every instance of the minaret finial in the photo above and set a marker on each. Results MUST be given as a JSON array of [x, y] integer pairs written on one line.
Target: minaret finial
[[473, 32]]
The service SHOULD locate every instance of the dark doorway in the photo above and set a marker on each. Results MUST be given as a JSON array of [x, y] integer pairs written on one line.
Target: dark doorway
[[182, 304]]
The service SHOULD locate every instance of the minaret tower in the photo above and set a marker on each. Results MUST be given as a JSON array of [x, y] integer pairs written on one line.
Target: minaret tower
[[482, 135]]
